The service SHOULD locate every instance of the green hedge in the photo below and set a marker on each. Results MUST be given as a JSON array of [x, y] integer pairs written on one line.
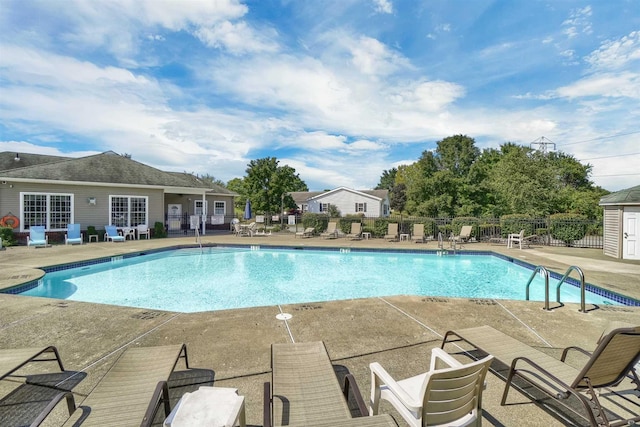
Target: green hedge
[[568, 227], [512, 224]]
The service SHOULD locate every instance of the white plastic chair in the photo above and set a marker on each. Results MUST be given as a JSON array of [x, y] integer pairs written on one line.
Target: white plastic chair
[[515, 238], [111, 234], [143, 229], [73, 235], [451, 396], [37, 236]]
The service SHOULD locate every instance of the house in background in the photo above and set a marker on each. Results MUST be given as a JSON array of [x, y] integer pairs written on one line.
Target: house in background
[[370, 203], [105, 189], [622, 223]]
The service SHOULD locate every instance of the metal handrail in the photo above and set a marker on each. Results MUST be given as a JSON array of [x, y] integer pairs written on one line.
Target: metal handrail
[[583, 288], [546, 284], [198, 239], [440, 240]]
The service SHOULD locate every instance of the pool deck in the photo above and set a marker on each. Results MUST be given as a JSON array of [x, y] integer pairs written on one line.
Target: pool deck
[[233, 346]]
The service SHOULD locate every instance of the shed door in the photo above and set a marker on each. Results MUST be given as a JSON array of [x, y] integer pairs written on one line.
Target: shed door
[[630, 233]]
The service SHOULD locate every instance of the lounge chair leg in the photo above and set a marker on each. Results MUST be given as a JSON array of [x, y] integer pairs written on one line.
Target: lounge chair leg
[[266, 421], [594, 403], [512, 372]]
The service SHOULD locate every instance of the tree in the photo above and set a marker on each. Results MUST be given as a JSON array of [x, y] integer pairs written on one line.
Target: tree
[[267, 184], [210, 179], [398, 198], [387, 180], [237, 186], [457, 154]]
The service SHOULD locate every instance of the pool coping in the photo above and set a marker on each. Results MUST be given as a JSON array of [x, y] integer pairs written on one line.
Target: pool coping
[[614, 296]]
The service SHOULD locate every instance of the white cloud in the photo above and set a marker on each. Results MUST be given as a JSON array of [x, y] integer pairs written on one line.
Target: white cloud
[[374, 58], [578, 22], [383, 6], [237, 38], [623, 85], [616, 54]]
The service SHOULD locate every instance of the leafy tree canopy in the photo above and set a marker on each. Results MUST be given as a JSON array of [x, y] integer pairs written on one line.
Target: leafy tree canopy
[[458, 179], [267, 184]]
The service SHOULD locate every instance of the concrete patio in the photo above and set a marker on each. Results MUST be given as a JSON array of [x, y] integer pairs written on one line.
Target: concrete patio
[[232, 346]]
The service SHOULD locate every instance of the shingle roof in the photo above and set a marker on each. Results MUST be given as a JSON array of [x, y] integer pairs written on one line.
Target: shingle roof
[[302, 196], [108, 167], [629, 196], [8, 160]]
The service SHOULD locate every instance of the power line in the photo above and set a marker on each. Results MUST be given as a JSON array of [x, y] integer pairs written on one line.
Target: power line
[[619, 174], [608, 157], [600, 138]]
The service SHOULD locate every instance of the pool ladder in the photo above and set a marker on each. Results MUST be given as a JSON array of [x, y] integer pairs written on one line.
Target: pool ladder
[[198, 239], [540, 269]]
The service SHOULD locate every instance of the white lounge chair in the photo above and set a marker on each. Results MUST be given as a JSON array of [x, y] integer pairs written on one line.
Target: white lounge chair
[[73, 235], [356, 231], [392, 232], [450, 396], [465, 234], [308, 232], [37, 236], [418, 233], [331, 232], [111, 234]]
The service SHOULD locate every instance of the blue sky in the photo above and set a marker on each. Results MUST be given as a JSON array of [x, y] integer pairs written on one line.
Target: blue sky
[[339, 90]]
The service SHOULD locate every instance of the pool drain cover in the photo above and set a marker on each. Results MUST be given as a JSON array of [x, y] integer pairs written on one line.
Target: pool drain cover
[[283, 316]]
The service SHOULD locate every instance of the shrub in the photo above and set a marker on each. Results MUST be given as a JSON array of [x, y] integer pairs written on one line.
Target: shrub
[[7, 236], [158, 230], [512, 224], [318, 221], [344, 224], [568, 227]]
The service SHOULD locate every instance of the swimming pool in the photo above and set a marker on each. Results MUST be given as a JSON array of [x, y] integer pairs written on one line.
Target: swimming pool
[[193, 280]]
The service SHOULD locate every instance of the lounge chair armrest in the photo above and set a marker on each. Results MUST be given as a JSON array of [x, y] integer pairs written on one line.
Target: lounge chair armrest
[[350, 383], [439, 354], [541, 372], [266, 422], [565, 352], [71, 406], [380, 376], [160, 394]]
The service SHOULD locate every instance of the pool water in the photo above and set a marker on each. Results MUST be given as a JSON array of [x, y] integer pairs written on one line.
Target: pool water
[[190, 280]]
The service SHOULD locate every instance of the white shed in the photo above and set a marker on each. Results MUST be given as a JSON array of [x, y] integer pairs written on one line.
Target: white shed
[[622, 223]]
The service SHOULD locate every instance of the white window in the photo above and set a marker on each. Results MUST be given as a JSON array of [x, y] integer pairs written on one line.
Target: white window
[[200, 207], [128, 211], [324, 207], [53, 210], [361, 207], [219, 208], [305, 207]]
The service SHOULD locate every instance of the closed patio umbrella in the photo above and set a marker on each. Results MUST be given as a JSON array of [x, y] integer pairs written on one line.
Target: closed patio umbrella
[[247, 210]]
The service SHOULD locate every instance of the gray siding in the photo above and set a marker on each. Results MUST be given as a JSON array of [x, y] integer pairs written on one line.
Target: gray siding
[[612, 231], [83, 212]]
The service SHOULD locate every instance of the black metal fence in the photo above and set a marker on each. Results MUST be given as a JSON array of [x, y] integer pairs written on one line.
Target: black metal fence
[[549, 231]]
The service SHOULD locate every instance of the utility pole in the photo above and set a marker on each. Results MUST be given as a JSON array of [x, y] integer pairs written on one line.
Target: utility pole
[[543, 144]]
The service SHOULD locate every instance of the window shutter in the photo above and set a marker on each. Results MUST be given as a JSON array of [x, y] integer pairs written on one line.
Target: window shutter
[[365, 207]]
